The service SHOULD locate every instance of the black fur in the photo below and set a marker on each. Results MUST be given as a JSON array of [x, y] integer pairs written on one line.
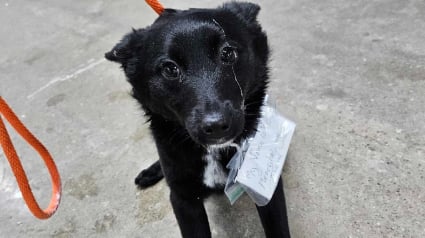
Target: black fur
[[201, 76]]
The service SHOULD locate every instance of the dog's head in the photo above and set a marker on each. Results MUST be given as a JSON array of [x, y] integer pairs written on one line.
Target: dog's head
[[198, 68]]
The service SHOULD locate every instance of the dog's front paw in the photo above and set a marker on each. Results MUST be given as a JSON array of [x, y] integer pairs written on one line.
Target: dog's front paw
[[149, 176]]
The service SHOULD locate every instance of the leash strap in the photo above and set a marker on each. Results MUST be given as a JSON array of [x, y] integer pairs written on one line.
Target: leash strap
[[13, 158], [156, 6], [15, 163]]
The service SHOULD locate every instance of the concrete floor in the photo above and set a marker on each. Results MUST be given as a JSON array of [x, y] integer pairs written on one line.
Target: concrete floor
[[351, 74]]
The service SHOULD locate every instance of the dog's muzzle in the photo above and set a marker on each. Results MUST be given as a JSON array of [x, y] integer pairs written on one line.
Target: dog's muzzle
[[216, 126]]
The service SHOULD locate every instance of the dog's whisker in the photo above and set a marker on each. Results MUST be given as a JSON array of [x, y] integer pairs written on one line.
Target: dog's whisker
[[184, 140], [174, 134], [174, 131], [239, 85], [254, 103]]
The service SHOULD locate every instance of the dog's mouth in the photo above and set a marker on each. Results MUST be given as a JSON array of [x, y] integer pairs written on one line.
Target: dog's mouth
[[214, 143], [211, 142], [218, 140], [220, 145]]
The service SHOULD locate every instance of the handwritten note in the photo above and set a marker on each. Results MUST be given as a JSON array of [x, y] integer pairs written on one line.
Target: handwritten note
[[266, 154]]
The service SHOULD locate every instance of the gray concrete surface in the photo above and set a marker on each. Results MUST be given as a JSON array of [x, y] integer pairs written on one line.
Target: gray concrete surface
[[351, 74]]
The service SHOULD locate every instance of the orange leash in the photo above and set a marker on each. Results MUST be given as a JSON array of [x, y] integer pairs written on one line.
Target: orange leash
[[17, 168], [15, 164], [156, 6]]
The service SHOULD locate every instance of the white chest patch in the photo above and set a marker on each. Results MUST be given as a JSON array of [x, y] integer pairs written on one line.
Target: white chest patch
[[213, 173]]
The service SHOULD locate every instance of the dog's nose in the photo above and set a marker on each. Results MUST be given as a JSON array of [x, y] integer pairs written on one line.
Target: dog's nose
[[215, 126]]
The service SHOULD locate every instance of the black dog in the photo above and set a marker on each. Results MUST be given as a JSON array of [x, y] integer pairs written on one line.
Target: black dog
[[200, 76]]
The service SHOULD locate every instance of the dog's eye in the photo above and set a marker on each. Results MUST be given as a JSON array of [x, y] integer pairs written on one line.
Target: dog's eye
[[170, 70], [229, 55]]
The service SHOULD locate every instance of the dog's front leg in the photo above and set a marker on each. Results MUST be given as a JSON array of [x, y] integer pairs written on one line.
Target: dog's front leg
[[191, 216], [273, 216]]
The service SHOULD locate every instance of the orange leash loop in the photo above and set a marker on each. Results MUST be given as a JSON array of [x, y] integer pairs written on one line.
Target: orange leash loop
[[156, 6], [17, 168]]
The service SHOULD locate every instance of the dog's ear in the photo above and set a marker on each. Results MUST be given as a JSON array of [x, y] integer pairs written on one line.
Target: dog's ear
[[123, 51], [246, 11]]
